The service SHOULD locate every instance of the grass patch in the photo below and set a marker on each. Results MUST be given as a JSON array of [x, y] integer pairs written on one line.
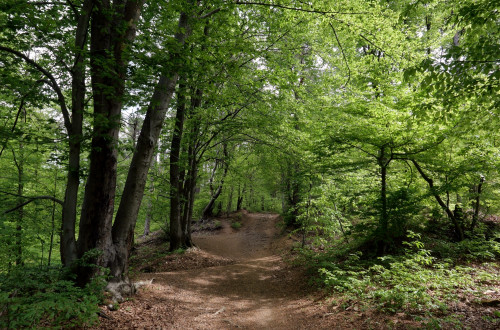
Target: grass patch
[[236, 225], [177, 251]]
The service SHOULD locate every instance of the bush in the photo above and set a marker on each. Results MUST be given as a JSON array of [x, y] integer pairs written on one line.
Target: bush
[[477, 249], [412, 282], [46, 297], [236, 225]]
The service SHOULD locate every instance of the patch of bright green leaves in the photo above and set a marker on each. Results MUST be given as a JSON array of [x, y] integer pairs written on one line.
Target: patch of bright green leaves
[[414, 282], [32, 297], [236, 225]]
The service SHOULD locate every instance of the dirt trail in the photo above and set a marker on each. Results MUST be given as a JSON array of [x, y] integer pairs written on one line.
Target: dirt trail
[[247, 294], [257, 291]]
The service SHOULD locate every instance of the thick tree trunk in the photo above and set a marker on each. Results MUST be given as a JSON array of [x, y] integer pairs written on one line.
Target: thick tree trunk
[[109, 45], [68, 244], [176, 237], [136, 179]]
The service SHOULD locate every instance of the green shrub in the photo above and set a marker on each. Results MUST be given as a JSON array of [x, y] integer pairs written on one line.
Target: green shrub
[[412, 282], [236, 225], [476, 249], [46, 297]]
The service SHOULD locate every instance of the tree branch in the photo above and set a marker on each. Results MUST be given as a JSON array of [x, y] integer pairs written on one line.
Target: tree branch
[[31, 200], [207, 15], [73, 7], [21, 106], [322, 12], [53, 83], [450, 214], [343, 54]]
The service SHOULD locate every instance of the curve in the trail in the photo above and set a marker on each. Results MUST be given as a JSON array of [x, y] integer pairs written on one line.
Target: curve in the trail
[[252, 293], [257, 291], [253, 240]]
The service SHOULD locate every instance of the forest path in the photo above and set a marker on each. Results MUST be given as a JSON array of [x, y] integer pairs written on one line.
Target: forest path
[[256, 291], [247, 294]]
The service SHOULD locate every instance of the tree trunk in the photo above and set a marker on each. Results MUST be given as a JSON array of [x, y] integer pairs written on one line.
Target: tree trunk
[[68, 244], [239, 200], [149, 213], [475, 216], [53, 221], [384, 217], [109, 45], [458, 228], [136, 179], [229, 201], [208, 210], [20, 212], [189, 192], [176, 238], [192, 171]]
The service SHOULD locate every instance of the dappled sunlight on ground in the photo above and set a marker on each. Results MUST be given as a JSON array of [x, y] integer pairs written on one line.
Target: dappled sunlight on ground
[[242, 283]]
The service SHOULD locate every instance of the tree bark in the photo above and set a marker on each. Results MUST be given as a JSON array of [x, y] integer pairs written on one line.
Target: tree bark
[[136, 179], [109, 45], [176, 238], [67, 236]]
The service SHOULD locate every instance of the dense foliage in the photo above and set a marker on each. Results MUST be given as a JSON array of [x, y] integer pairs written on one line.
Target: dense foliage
[[361, 122]]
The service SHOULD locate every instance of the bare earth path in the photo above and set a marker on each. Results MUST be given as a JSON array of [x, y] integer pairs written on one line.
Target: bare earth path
[[256, 291]]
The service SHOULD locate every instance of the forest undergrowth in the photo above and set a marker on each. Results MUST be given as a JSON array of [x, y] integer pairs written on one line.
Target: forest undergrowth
[[432, 280]]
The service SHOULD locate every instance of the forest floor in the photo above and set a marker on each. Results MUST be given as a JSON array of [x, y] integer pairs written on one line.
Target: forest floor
[[236, 278]]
